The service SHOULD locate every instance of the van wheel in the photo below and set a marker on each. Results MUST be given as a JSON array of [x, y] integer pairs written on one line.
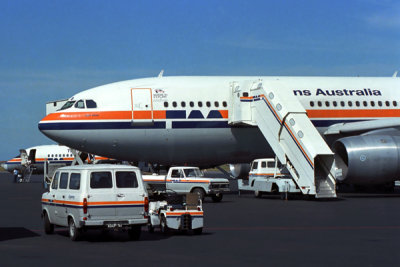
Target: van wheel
[[163, 225], [74, 233], [257, 194], [48, 227], [134, 232], [200, 192], [217, 197]]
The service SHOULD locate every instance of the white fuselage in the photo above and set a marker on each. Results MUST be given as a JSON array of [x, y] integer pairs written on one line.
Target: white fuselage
[[184, 120]]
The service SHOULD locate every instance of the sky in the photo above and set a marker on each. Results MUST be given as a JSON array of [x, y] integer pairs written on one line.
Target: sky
[[51, 50]]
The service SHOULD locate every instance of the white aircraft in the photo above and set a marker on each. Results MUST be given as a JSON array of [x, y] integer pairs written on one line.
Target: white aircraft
[[37, 155], [189, 120]]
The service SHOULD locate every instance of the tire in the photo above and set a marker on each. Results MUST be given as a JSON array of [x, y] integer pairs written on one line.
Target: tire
[[135, 232], [163, 225], [200, 192], [48, 227], [217, 197], [74, 233], [150, 228], [257, 194], [198, 231]]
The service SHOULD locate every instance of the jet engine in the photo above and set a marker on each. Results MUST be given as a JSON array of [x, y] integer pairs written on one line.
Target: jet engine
[[240, 171], [368, 159]]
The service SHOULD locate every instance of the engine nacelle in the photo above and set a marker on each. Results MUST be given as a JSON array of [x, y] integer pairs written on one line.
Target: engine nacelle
[[240, 171], [368, 159]]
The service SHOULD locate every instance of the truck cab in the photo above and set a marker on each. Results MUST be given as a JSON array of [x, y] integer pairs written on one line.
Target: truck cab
[[268, 176]]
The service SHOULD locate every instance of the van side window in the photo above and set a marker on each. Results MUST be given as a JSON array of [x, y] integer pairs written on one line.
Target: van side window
[[75, 181], [100, 180], [63, 180], [263, 164], [54, 184], [126, 180], [271, 164], [255, 166]]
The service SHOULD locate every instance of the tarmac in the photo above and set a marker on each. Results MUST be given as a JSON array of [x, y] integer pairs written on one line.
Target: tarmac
[[353, 230]]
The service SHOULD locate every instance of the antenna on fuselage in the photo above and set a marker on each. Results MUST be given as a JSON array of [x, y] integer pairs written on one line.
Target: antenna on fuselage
[[161, 74], [395, 74]]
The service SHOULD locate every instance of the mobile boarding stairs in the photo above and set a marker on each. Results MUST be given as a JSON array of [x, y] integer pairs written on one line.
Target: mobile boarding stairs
[[285, 125]]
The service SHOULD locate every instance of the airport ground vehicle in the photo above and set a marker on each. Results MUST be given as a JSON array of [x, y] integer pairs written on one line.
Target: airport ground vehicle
[[178, 212], [267, 176], [184, 180], [96, 196]]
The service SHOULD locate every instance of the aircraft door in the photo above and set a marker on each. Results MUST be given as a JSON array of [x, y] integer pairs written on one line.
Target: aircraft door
[[142, 105]]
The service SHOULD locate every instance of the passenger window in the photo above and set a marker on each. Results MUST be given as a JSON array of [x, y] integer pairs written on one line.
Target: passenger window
[[100, 180], [191, 103], [183, 104], [63, 180], [80, 104], [216, 104], [126, 180], [311, 103], [54, 184], [372, 103], [394, 104], [208, 104], [342, 103], [271, 164], [365, 103], [350, 103], [357, 103], [263, 164], [327, 103], [319, 104], [200, 104], [91, 104], [174, 104], [75, 181], [380, 103], [334, 103], [387, 103], [224, 104], [165, 104], [255, 166]]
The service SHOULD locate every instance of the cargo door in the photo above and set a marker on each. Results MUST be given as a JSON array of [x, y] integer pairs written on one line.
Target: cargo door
[[130, 195], [142, 106], [101, 197]]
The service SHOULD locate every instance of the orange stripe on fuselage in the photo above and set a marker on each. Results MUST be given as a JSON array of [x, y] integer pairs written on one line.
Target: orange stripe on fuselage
[[105, 115], [353, 113]]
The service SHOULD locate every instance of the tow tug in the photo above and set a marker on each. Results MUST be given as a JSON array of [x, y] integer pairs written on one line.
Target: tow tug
[[172, 211]]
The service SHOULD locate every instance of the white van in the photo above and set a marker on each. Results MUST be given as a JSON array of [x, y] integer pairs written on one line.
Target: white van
[[96, 196]]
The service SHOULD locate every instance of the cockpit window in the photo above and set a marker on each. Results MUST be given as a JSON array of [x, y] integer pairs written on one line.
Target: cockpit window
[[91, 104], [67, 105], [80, 104]]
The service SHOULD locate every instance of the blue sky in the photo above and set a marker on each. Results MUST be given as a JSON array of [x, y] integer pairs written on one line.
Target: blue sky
[[53, 49]]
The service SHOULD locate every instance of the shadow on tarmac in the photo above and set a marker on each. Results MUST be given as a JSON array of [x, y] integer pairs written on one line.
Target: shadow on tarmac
[[10, 233]]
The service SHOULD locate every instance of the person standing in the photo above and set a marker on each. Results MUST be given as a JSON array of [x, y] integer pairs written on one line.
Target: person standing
[[15, 172]]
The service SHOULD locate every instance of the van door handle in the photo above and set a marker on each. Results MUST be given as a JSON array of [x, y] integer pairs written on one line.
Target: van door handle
[[63, 196], [120, 195]]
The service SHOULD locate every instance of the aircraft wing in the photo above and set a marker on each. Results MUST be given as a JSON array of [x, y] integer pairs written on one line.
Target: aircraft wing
[[362, 126]]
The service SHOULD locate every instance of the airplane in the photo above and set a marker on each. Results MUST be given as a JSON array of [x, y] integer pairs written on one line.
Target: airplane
[[186, 120], [37, 155]]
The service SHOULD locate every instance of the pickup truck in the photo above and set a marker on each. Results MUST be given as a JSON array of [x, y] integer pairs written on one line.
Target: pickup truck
[[183, 180]]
